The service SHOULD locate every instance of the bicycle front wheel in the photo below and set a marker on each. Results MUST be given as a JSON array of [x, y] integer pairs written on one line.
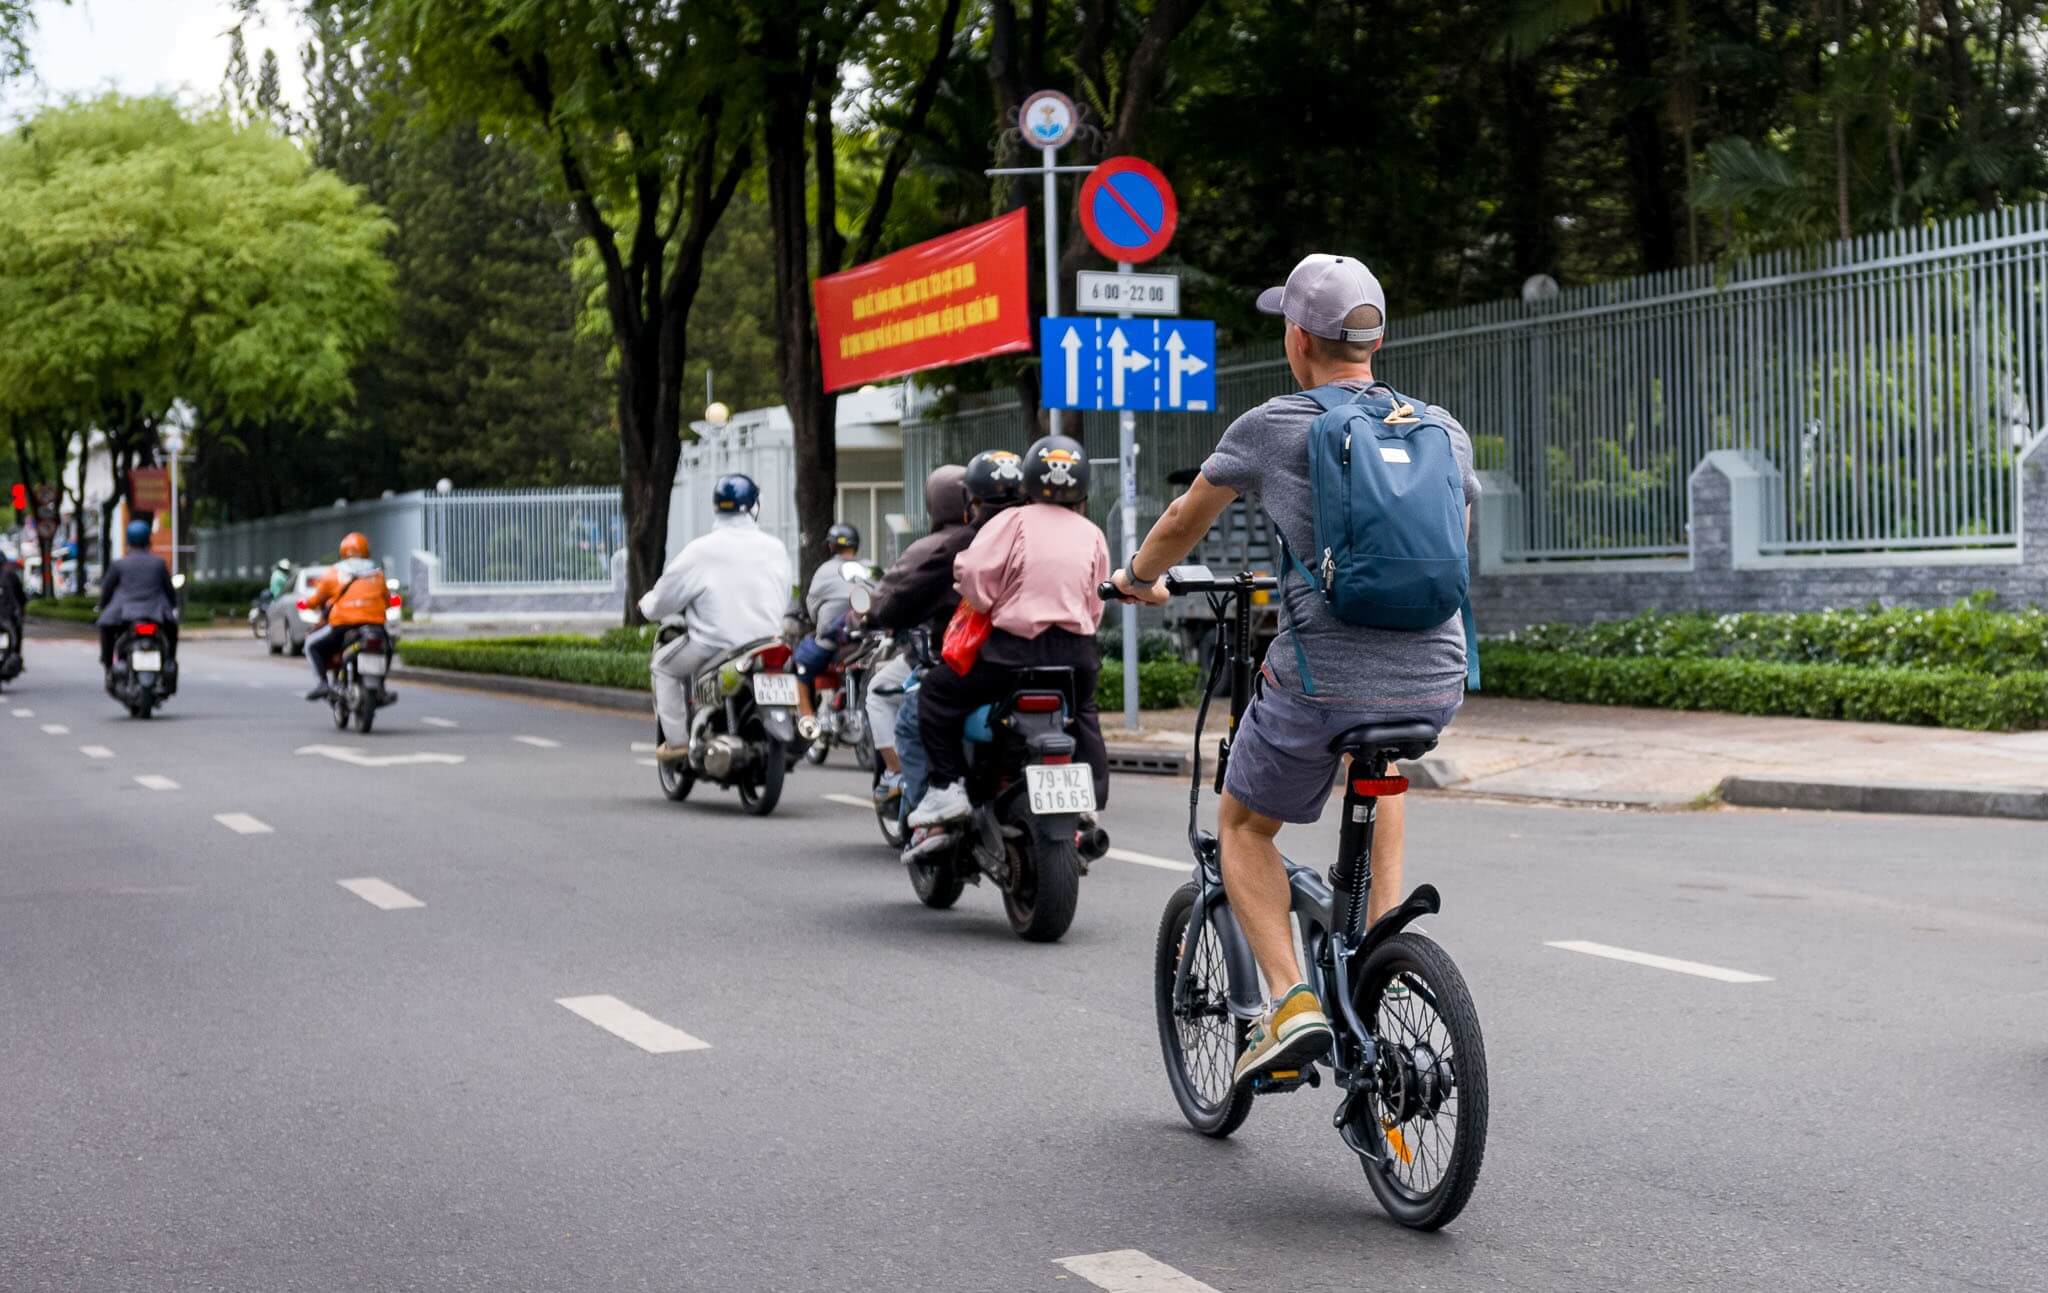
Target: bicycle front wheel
[[1423, 1128], [1201, 1039]]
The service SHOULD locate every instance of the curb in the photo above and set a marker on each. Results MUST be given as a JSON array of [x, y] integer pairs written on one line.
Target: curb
[[2023, 802], [1148, 759], [579, 693]]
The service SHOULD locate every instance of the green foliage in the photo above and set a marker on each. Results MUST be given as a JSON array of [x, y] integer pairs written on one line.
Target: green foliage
[[226, 592], [69, 608], [1968, 636], [561, 660], [1162, 684], [1153, 644], [1929, 697]]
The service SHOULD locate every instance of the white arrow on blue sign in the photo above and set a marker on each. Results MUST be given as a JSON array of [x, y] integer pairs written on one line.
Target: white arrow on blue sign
[[1156, 365]]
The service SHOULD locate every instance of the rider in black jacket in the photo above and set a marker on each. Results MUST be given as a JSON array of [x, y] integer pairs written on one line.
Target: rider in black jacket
[[137, 587]]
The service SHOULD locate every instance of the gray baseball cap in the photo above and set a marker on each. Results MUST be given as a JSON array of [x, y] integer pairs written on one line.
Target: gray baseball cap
[[1321, 291]]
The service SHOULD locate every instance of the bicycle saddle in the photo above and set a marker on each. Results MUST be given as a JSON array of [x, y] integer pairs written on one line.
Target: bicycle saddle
[[1409, 739]]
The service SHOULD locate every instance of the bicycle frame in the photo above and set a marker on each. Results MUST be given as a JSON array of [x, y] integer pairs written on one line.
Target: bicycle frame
[[1329, 914]]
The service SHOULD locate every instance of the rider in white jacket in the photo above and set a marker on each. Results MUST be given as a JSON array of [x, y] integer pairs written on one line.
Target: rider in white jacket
[[729, 586]]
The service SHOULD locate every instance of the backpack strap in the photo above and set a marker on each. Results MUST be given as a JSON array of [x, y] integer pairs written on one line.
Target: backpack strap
[[1471, 643], [1289, 564]]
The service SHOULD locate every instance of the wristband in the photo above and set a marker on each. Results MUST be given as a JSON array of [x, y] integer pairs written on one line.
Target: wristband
[[1137, 582]]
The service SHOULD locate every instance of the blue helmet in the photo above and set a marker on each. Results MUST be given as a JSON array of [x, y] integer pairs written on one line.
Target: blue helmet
[[138, 534], [735, 493]]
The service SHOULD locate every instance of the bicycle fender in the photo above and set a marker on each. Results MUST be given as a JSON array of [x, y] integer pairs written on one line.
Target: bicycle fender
[[1424, 901], [1246, 1001]]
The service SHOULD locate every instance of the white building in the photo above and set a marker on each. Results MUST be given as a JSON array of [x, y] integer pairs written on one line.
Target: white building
[[761, 443]]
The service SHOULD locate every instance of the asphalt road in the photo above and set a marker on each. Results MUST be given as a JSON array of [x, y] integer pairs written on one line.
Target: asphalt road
[[222, 1069]]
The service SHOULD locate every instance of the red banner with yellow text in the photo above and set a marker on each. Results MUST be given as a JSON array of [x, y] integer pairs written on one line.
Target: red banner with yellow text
[[964, 296]]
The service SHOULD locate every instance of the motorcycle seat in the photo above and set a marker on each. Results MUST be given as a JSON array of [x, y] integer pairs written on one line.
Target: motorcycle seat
[[978, 731]]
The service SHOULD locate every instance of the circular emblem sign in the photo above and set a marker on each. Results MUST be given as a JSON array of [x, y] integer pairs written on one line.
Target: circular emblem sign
[[1128, 209], [1048, 119]]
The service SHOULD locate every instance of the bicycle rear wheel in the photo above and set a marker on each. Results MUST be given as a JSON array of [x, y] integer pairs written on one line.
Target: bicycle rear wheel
[[1422, 1133], [1201, 1043]]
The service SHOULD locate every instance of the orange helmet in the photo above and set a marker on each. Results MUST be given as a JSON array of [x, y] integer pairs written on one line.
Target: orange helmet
[[355, 545]]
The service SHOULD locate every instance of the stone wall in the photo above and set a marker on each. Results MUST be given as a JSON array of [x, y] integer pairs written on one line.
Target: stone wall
[[1725, 570]]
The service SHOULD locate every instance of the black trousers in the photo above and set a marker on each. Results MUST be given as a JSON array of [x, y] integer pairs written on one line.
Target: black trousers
[[110, 634], [945, 699]]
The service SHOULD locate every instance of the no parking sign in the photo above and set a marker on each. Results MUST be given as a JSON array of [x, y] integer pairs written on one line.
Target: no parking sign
[[1128, 209]]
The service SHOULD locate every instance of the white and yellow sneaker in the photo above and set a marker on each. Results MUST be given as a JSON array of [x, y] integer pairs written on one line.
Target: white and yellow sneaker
[[1292, 1034]]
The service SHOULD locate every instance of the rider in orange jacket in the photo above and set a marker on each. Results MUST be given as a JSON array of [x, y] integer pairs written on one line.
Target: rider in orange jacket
[[354, 592]]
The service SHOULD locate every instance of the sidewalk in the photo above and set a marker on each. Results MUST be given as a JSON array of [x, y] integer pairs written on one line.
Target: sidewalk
[[1653, 758]]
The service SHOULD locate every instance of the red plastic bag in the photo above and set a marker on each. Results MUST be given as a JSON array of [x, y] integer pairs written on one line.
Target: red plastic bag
[[965, 633]]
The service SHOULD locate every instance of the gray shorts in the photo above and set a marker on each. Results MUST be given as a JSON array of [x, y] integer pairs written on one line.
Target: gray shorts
[[1281, 765]]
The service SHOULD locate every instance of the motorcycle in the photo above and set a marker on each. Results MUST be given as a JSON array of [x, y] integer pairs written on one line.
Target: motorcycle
[[743, 729], [843, 719], [259, 615], [1028, 792], [144, 672], [10, 651], [357, 679]]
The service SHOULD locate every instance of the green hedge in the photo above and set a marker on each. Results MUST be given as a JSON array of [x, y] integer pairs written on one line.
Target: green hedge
[[1162, 684], [1968, 636], [559, 659], [1931, 697], [68, 608]]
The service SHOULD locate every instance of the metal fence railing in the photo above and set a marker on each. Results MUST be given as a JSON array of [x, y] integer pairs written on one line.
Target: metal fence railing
[[556, 537], [1890, 381], [525, 536]]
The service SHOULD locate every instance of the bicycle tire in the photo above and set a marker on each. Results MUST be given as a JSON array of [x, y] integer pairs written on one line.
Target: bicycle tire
[[1214, 1117], [1442, 988]]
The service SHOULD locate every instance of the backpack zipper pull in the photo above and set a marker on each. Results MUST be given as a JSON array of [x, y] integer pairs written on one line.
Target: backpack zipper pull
[[1329, 569]]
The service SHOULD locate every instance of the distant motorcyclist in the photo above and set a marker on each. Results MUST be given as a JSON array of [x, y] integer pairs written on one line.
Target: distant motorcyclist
[[730, 587], [138, 587], [280, 578], [353, 592], [13, 606], [825, 605]]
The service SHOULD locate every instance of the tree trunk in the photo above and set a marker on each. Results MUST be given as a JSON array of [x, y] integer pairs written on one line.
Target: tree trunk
[[1643, 137], [1532, 224]]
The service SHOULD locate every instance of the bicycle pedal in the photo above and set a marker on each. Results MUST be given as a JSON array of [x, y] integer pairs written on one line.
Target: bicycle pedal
[[1282, 1080]]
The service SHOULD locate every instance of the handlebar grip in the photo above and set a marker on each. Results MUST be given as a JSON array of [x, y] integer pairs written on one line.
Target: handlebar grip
[[1108, 591]]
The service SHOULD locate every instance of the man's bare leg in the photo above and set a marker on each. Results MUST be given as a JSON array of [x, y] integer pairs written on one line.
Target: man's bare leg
[[1256, 880]]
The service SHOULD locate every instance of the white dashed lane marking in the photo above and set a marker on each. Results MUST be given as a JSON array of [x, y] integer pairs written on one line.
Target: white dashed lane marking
[[151, 781], [1129, 1271], [648, 763], [95, 752], [636, 1026], [538, 742], [440, 722], [643, 747], [241, 823], [362, 759], [24, 713], [379, 893], [851, 801], [1672, 963], [56, 729], [1149, 859]]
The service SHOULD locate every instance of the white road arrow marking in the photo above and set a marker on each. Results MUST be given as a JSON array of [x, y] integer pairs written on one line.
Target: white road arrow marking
[[1122, 359], [1179, 364], [343, 754], [1072, 345]]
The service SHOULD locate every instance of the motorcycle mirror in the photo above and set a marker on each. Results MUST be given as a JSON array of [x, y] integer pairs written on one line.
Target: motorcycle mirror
[[177, 581], [860, 598], [854, 572]]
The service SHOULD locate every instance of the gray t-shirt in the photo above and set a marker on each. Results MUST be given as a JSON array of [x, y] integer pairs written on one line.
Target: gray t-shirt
[[1264, 458]]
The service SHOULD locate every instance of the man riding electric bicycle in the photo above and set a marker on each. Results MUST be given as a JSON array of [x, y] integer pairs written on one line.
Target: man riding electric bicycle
[[728, 587]]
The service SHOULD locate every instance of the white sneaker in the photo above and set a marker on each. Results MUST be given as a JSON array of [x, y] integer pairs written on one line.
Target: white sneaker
[[941, 806], [930, 840]]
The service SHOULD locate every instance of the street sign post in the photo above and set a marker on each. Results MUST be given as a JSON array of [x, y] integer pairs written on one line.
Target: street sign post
[[1155, 365], [1128, 210], [1121, 293]]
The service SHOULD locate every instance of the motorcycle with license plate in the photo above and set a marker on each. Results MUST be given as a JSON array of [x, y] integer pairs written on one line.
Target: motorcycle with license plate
[[742, 728], [358, 681], [843, 688], [144, 672], [1025, 834]]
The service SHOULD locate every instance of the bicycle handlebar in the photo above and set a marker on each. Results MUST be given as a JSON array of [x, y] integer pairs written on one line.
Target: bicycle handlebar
[[1183, 580]]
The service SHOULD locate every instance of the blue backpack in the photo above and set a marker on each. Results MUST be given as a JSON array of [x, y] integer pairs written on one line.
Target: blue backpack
[[1388, 504]]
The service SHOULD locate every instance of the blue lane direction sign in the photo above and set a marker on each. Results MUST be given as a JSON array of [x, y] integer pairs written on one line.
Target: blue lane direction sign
[[1146, 365]]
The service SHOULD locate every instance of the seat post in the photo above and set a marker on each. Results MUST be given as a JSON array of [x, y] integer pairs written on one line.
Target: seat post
[[1351, 877]]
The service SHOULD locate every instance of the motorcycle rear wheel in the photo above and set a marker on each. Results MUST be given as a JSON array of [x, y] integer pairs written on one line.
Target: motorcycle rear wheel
[[677, 779], [366, 715], [1045, 885], [760, 797], [889, 815]]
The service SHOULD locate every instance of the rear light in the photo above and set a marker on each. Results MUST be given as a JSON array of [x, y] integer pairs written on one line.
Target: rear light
[[1040, 702], [773, 657], [1379, 787], [395, 599], [1057, 758], [302, 603], [146, 630]]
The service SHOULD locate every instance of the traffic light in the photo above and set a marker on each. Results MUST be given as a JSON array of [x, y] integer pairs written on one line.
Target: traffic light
[[20, 499]]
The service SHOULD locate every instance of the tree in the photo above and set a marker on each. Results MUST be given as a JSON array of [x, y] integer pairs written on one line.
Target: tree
[[148, 257], [17, 19], [803, 46], [640, 105]]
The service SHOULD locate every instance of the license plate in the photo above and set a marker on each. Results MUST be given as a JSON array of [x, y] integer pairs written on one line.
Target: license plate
[[1061, 787], [372, 664], [146, 661], [775, 689]]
